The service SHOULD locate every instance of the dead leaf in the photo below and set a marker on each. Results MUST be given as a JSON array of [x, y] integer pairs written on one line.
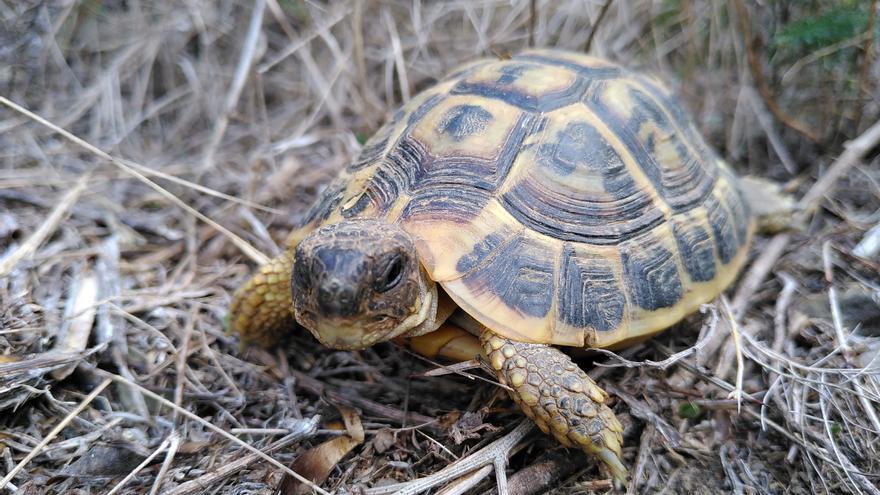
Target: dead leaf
[[468, 426], [318, 462], [383, 440]]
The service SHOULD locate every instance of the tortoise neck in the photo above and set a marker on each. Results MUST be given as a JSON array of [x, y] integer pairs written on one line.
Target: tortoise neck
[[425, 318]]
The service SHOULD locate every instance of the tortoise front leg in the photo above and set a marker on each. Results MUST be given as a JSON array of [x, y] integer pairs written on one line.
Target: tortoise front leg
[[447, 342], [558, 396], [262, 309]]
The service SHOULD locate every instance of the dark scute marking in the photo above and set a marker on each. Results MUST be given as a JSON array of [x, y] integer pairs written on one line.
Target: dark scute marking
[[689, 184], [373, 148], [627, 132], [682, 188], [393, 175], [651, 275], [326, 202], [695, 248], [505, 94], [722, 229], [574, 150], [589, 295], [403, 159], [544, 201], [462, 121], [511, 72], [740, 214], [466, 171], [674, 107], [580, 146], [520, 274], [481, 251], [533, 103], [423, 109], [455, 204], [526, 125], [358, 207], [472, 171], [582, 70], [384, 188]]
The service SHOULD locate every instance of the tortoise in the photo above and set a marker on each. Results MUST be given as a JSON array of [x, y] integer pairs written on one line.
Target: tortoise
[[555, 199]]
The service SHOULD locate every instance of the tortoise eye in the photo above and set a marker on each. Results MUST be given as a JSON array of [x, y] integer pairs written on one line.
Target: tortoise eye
[[391, 275]]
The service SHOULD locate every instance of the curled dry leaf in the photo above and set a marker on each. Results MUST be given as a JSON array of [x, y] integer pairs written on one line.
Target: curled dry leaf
[[317, 463], [469, 426], [383, 440]]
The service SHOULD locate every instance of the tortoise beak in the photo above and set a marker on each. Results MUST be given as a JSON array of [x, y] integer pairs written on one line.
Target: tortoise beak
[[338, 335]]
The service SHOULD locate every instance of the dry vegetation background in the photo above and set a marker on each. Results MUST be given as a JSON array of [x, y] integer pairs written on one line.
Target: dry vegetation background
[[199, 129]]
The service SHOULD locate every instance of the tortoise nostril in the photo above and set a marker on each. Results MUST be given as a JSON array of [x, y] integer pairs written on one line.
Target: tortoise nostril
[[345, 296], [336, 299]]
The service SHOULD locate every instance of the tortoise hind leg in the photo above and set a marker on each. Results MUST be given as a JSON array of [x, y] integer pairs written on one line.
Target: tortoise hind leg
[[558, 396], [262, 308]]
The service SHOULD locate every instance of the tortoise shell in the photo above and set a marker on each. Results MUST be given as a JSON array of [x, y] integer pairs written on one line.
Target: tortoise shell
[[557, 198]]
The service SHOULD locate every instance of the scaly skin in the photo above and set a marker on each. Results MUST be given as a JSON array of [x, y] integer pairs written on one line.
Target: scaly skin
[[447, 342], [558, 396], [261, 309]]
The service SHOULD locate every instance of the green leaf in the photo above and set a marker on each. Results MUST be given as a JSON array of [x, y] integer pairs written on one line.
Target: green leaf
[[836, 429], [822, 30], [689, 410]]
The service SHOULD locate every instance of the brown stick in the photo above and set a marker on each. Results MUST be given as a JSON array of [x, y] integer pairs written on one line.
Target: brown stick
[[642, 458], [533, 11], [596, 26], [758, 76]]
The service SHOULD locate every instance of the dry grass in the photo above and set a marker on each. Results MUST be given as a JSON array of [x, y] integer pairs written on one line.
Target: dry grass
[[212, 127]]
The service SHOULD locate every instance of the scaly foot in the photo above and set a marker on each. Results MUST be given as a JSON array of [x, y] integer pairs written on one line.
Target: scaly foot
[[558, 396]]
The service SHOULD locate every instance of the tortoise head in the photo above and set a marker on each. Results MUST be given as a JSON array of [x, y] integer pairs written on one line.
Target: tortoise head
[[359, 282]]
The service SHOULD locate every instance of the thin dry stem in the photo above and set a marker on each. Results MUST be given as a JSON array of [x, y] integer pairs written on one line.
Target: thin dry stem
[[214, 428], [238, 241], [29, 247]]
